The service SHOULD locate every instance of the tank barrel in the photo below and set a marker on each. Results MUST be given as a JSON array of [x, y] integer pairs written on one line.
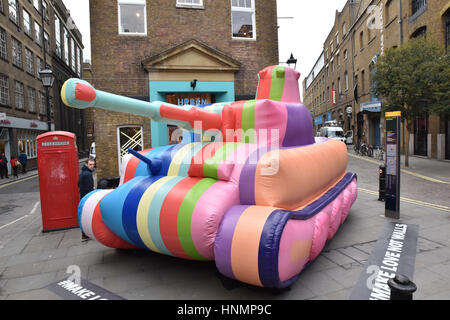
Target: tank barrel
[[80, 94]]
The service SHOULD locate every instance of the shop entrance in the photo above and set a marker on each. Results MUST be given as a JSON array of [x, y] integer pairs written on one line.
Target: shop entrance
[[421, 136]]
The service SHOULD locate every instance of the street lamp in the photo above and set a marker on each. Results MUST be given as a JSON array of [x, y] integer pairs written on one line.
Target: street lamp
[[47, 78], [292, 61]]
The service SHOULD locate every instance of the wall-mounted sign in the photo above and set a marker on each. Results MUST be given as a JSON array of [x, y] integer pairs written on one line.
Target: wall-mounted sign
[[189, 99], [2, 116], [334, 97]]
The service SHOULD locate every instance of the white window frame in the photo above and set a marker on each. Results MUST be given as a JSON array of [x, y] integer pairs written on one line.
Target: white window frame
[[17, 53], [38, 33], [27, 23], [4, 90], [19, 93], [73, 57], [3, 44], [184, 4], [42, 103], [13, 9], [79, 63], [29, 61], [120, 152], [31, 99], [241, 9], [136, 2], [66, 46], [58, 47]]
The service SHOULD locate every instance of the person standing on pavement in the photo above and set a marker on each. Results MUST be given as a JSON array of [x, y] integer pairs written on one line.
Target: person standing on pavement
[[86, 184], [23, 161], [3, 166], [15, 166]]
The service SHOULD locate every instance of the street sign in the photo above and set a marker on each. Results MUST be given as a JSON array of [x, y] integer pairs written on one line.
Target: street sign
[[392, 195]]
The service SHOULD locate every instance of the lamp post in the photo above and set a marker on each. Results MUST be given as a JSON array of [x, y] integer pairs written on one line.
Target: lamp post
[[292, 61], [47, 78]]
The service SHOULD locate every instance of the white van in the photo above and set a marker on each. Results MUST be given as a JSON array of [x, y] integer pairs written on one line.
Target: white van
[[333, 133]]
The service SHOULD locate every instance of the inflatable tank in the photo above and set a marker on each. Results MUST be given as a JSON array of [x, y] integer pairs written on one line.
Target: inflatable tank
[[254, 191]]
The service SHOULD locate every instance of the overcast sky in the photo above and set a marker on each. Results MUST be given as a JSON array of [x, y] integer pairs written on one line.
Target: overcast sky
[[303, 27]]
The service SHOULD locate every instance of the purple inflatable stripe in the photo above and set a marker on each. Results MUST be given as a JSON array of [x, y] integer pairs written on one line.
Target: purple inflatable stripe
[[224, 239], [299, 129], [247, 177]]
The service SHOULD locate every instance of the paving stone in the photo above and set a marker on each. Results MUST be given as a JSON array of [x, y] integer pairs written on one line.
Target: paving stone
[[28, 283], [127, 282], [338, 258], [348, 278], [354, 253], [23, 270], [58, 264], [23, 258], [320, 283], [366, 247], [40, 294]]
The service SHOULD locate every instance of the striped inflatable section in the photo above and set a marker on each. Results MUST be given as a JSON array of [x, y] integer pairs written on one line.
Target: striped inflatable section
[[90, 218], [278, 83], [269, 247], [178, 212]]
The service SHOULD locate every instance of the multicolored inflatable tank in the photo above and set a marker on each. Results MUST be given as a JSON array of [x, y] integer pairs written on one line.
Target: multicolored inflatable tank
[[261, 200]]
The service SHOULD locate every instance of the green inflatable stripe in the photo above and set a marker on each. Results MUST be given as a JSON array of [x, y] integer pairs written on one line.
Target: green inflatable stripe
[[212, 164], [185, 215], [277, 84], [248, 121]]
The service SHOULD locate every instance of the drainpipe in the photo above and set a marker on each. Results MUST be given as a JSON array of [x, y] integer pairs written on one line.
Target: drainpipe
[[401, 22]]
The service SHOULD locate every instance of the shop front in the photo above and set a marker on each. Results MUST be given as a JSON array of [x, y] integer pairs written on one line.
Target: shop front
[[189, 74], [369, 123], [19, 135]]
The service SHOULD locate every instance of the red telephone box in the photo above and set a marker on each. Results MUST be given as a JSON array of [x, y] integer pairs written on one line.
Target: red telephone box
[[57, 157]]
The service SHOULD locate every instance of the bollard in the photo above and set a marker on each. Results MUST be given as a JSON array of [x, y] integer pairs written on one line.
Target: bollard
[[401, 288], [382, 185]]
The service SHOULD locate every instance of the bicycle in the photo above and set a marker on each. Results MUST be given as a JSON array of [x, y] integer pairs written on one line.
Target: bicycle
[[370, 151], [379, 153], [356, 148], [363, 149]]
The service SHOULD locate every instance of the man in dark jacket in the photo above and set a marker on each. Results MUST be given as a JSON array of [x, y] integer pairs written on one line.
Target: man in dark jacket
[[3, 166], [86, 184], [23, 161]]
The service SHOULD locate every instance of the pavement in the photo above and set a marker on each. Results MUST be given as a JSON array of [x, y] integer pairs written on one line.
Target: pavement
[[31, 260]]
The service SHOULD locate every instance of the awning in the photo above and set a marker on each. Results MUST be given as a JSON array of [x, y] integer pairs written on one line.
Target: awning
[[370, 106]]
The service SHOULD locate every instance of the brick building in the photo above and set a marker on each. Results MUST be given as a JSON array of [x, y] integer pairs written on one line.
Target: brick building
[[28, 42], [200, 51], [373, 26]]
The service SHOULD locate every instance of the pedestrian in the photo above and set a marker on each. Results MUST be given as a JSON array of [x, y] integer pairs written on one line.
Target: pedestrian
[[15, 166], [3, 166], [86, 184], [23, 161]]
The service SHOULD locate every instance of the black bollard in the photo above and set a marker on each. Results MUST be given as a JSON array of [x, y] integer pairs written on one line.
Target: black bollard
[[401, 288], [382, 187]]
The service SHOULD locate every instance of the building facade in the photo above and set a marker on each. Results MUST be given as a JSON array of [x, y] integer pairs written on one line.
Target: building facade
[[28, 44], [371, 27], [182, 52]]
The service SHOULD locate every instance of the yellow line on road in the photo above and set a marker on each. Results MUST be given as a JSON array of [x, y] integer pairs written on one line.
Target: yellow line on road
[[420, 203], [402, 170], [17, 181]]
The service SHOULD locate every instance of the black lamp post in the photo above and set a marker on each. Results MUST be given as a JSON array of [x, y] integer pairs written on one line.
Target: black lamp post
[[292, 61], [47, 78]]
